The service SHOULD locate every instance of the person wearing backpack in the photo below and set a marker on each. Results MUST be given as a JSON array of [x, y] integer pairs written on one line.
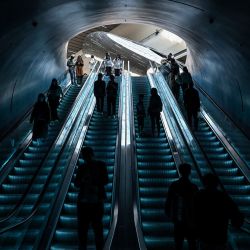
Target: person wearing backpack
[[91, 178], [154, 110], [99, 92], [140, 114], [54, 94], [111, 91]]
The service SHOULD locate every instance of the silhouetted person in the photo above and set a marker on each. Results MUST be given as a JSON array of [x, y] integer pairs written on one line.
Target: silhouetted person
[[71, 67], [174, 67], [91, 178], [99, 92], [169, 57], [108, 64], [54, 95], [186, 78], [213, 210], [40, 117], [154, 110], [174, 77], [140, 113], [192, 105], [179, 208], [79, 69], [111, 91]]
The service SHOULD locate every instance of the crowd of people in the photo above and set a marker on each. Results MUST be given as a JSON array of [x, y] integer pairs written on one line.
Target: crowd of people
[[182, 81], [200, 216]]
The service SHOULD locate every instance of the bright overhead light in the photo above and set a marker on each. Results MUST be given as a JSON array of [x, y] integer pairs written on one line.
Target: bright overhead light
[[170, 36], [138, 49]]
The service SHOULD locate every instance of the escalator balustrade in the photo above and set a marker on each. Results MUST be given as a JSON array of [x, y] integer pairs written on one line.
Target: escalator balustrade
[[156, 171], [101, 136]]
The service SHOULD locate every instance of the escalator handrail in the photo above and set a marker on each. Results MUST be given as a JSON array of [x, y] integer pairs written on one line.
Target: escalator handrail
[[19, 121], [8, 168], [24, 144], [37, 203], [232, 152], [136, 201], [48, 233], [204, 155], [214, 103], [187, 145]]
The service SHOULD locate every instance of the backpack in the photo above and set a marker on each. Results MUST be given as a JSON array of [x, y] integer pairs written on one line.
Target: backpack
[[155, 104], [91, 191], [111, 89]]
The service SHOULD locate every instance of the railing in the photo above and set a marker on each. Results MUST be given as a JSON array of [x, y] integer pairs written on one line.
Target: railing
[[25, 141], [64, 136]]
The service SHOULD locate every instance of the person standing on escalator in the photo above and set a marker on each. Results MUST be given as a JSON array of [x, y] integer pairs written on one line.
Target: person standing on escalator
[[71, 66], [180, 210], [108, 64], [91, 178], [99, 92], [40, 117], [154, 110], [54, 94], [111, 91], [214, 209], [192, 105], [79, 70]]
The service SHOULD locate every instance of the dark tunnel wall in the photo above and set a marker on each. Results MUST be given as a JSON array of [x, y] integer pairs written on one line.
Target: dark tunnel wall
[[34, 37]]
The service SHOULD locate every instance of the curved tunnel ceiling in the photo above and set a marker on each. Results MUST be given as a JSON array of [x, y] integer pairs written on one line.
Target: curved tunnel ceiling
[[34, 36]]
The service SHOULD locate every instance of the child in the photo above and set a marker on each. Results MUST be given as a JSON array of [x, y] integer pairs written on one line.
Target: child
[[140, 114]]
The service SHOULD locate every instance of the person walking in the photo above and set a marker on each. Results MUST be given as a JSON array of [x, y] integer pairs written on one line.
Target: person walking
[[192, 105], [91, 178], [71, 67], [140, 114], [111, 91], [179, 208], [79, 69], [213, 210], [99, 92], [154, 110], [54, 94], [40, 117]]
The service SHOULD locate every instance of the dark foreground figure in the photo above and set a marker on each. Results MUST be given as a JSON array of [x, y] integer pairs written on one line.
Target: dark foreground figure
[[111, 91], [213, 211], [40, 118], [91, 178], [179, 208], [54, 95], [99, 92], [154, 110], [192, 105]]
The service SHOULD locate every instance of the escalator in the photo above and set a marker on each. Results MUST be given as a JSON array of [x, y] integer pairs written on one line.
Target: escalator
[[156, 171], [17, 181], [231, 176], [101, 136], [220, 160]]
